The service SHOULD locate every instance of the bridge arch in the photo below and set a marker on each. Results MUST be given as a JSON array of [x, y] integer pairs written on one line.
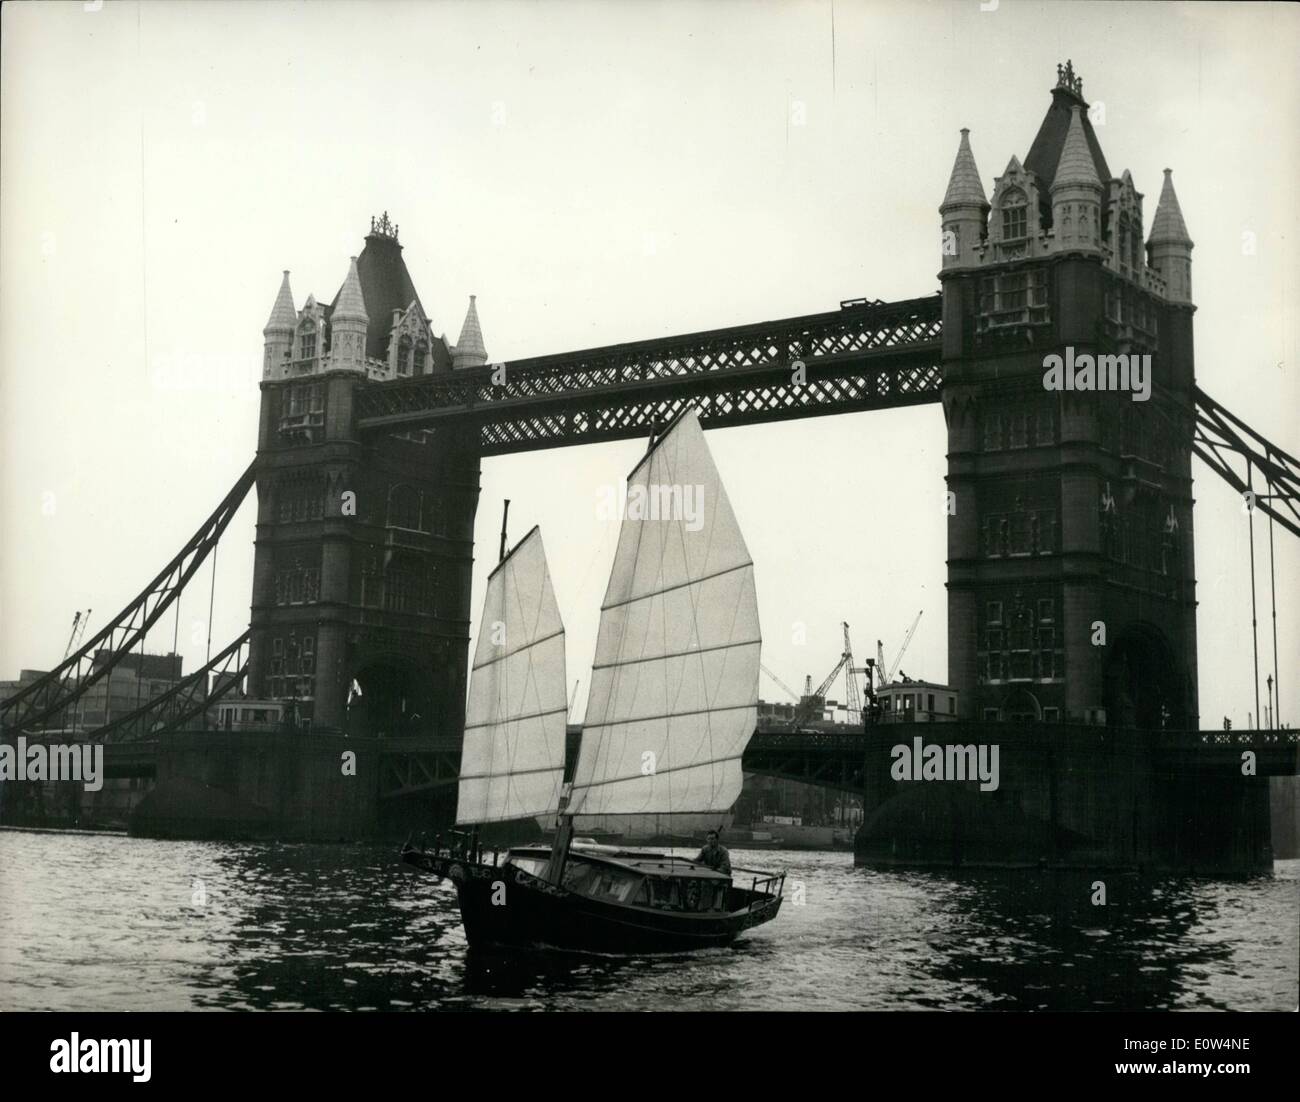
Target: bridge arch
[[1143, 681], [391, 695]]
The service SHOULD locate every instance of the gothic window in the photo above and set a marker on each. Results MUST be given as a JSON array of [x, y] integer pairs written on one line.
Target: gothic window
[[404, 356], [1046, 610], [1015, 223], [1042, 531], [1020, 539], [434, 516], [421, 354], [404, 507], [410, 585], [992, 432], [1013, 291], [1045, 429], [372, 583], [1019, 429], [306, 398], [297, 584], [307, 342], [994, 612]]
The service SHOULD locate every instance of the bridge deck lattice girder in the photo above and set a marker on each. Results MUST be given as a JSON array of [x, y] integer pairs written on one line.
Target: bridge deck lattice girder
[[863, 356]]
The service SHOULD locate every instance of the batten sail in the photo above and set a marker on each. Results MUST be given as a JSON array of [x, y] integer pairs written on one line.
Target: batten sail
[[512, 762], [674, 685]]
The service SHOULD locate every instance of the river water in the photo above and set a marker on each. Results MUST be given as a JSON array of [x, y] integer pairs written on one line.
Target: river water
[[106, 922]]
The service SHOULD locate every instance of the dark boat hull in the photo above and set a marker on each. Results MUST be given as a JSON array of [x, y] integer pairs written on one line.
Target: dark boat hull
[[509, 908]]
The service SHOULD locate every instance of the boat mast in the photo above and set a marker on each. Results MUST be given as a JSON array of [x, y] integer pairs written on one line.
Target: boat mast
[[563, 837], [501, 556]]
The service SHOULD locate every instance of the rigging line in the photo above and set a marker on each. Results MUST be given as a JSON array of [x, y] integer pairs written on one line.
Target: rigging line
[[212, 598], [679, 585], [515, 719], [683, 653], [1254, 633], [1272, 588], [176, 629], [518, 650], [671, 769]]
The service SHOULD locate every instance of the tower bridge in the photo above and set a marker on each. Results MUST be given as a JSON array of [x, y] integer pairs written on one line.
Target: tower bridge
[[1069, 508]]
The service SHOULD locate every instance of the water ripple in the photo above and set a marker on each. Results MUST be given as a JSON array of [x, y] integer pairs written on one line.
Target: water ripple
[[112, 923]]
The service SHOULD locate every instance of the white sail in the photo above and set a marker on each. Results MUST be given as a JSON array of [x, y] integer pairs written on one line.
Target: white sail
[[674, 686], [512, 762]]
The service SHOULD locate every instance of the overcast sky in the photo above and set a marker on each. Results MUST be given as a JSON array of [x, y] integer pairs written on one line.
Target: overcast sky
[[595, 173]]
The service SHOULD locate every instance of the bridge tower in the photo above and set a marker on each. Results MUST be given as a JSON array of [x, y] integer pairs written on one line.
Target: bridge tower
[[364, 550], [1071, 586]]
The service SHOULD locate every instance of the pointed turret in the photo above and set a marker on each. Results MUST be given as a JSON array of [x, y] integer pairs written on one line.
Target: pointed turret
[[964, 209], [1076, 192], [278, 332], [1168, 226], [1169, 248], [964, 186], [1076, 165], [283, 314], [469, 350], [351, 303], [348, 323]]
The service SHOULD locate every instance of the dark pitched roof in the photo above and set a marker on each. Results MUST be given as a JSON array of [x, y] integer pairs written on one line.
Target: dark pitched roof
[[1045, 154], [386, 286]]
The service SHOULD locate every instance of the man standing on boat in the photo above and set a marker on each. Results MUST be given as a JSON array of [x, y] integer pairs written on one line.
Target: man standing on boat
[[714, 855]]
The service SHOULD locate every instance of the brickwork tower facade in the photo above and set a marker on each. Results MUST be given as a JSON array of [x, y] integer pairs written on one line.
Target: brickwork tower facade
[[1071, 582], [364, 551]]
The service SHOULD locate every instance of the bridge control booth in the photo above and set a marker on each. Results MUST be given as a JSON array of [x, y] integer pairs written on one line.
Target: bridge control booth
[[916, 702]]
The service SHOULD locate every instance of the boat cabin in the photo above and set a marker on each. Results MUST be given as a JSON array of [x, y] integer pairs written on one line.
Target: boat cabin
[[657, 881]]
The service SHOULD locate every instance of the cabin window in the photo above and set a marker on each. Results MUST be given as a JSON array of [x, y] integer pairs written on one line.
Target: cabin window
[[664, 893], [534, 866]]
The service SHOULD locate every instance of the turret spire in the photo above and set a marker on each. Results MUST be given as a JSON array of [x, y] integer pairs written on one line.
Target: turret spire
[[1169, 248], [964, 186], [351, 303], [1168, 226], [470, 350], [283, 315], [1076, 166]]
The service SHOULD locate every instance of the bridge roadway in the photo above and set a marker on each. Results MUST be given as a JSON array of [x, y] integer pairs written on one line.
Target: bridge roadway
[[834, 756]]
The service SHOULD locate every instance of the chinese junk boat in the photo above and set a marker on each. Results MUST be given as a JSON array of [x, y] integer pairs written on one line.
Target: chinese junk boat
[[673, 701]]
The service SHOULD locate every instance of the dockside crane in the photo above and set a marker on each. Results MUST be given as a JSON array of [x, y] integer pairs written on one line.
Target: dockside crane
[[812, 702], [889, 677], [789, 691], [79, 622]]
